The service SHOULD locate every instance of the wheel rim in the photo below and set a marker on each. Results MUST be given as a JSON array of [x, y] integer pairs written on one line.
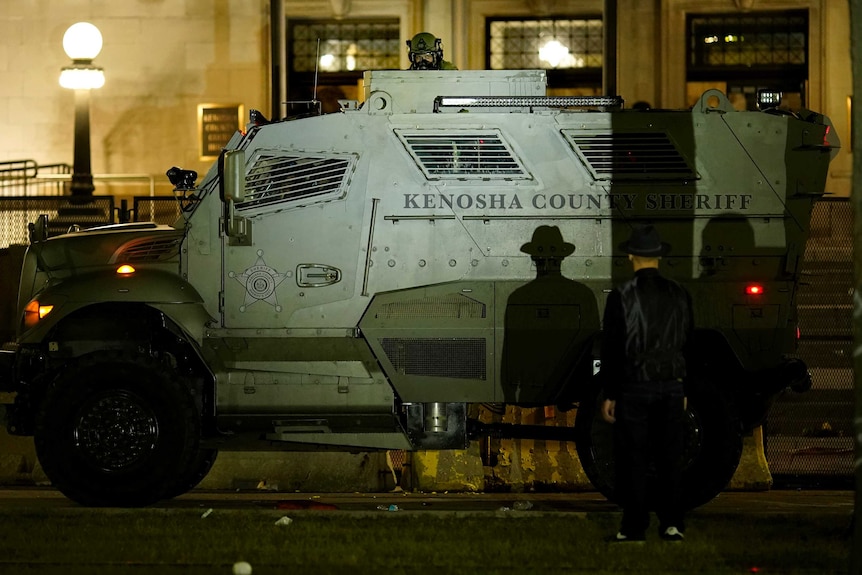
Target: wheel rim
[[115, 430]]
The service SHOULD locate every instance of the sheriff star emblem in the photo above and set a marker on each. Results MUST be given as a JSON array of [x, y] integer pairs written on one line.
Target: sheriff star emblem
[[260, 282]]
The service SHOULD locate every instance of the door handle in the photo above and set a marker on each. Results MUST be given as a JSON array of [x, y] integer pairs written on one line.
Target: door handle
[[317, 275]]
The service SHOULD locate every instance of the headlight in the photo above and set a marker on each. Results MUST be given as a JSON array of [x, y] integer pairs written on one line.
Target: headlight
[[35, 312]]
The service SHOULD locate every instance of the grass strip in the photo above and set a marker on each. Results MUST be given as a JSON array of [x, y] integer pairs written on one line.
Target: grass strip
[[182, 541]]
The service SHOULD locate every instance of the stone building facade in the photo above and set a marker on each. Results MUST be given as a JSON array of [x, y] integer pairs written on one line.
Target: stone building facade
[[163, 59]]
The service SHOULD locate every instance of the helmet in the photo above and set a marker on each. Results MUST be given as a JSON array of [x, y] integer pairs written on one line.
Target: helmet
[[426, 52]]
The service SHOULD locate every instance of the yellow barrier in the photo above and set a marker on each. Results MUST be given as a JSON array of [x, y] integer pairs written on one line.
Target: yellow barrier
[[521, 465]]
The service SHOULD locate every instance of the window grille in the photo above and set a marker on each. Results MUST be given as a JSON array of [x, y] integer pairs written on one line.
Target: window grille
[[766, 40], [345, 46], [276, 180], [462, 154], [455, 357], [545, 44], [629, 155], [151, 249]]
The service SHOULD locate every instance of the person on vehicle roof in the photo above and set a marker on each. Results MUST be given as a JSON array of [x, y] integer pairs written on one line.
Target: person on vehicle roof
[[647, 322], [426, 53]]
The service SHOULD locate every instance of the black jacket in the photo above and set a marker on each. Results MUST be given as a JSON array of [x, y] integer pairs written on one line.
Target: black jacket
[[647, 323]]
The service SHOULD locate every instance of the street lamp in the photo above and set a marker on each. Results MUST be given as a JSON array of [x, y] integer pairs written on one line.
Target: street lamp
[[82, 43]]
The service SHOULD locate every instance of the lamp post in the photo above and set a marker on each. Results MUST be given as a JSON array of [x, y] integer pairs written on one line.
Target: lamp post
[[82, 43]]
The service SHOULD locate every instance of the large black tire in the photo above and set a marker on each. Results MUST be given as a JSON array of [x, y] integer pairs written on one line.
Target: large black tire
[[197, 468], [117, 429], [713, 445]]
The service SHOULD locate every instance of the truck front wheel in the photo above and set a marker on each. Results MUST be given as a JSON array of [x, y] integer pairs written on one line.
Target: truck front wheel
[[196, 469], [713, 445], [114, 429]]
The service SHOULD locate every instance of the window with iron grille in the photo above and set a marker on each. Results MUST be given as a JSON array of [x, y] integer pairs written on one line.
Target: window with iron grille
[[748, 45], [345, 46], [545, 43], [570, 49]]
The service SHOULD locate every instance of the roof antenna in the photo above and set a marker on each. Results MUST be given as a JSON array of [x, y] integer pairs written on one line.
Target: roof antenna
[[316, 66], [314, 102]]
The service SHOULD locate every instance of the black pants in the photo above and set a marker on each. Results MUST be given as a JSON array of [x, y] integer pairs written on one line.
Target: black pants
[[649, 429]]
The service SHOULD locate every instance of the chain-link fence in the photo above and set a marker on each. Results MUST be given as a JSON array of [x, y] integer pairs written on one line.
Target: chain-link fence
[[17, 212], [63, 212], [159, 209], [809, 436]]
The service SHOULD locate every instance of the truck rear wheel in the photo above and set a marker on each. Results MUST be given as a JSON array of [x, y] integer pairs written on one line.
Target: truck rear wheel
[[198, 468], [713, 445], [117, 429]]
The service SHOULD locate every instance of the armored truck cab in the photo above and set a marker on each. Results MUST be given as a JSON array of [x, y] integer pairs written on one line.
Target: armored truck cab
[[369, 279]]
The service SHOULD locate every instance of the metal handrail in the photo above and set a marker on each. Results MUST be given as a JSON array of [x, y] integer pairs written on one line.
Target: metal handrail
[[101, 177]]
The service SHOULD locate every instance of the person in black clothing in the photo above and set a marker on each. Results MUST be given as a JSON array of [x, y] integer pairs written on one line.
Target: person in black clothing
[[647, 322]]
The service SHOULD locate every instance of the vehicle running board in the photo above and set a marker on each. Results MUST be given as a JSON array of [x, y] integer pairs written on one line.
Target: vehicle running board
[[374, 441]]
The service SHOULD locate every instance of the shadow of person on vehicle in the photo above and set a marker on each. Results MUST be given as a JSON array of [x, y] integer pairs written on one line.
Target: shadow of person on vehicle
[[732, 266], [546, 324], [724, 238]]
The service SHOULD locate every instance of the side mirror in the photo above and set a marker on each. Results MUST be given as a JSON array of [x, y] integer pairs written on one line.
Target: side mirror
[[38, 230], [233, 176], [231, 168]]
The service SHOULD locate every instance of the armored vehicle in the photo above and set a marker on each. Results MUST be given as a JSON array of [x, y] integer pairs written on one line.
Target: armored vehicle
[[369, 279]]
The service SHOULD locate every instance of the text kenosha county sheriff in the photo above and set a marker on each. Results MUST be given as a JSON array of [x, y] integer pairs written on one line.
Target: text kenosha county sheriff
[[652, 201]]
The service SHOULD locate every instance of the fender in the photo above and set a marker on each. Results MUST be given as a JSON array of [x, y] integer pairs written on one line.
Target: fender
[[750, 391], [157, 288]]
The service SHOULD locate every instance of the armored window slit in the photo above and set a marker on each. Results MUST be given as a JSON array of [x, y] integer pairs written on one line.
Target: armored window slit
[[278, 180], [463, 155], [630, 155]]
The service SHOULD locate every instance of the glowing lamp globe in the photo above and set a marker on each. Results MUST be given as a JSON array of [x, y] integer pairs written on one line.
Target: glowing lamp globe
[[82, 41]]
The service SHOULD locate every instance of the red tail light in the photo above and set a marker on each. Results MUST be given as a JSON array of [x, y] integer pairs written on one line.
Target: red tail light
[[754, 289]]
